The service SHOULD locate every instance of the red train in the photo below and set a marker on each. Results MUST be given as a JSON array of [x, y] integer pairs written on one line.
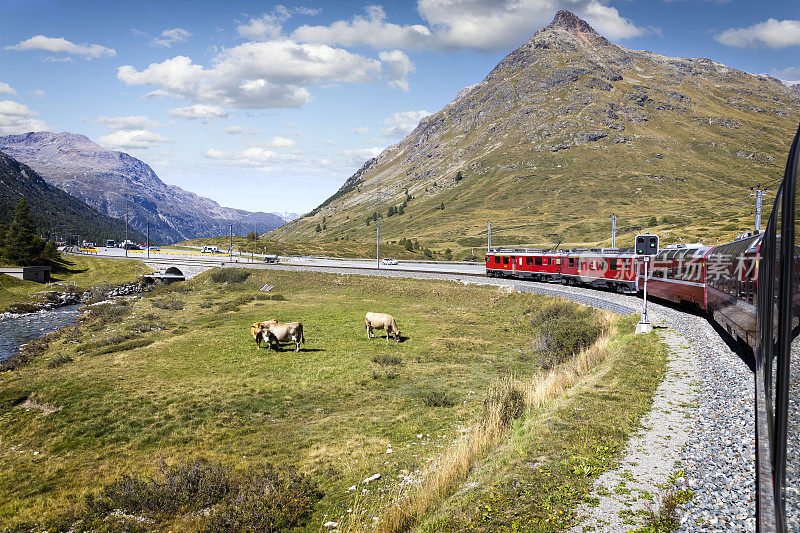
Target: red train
[[720, 280]]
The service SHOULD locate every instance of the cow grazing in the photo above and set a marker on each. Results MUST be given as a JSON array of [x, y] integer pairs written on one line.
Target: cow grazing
[[278, 332], [257, 331], [381, 321]]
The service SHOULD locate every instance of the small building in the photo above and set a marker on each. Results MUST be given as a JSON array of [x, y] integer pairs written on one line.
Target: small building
[[40, 273]]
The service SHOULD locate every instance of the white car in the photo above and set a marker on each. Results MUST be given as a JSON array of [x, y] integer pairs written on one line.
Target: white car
[[155, 249], [388, 261]]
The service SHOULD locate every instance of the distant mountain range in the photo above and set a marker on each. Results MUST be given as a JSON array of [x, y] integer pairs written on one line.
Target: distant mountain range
[[106, 179], [565, 131], [53, 210]]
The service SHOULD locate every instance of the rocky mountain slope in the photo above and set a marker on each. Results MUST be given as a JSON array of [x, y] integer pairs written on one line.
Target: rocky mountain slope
[[564, 132], [52, 209], [105, 179]]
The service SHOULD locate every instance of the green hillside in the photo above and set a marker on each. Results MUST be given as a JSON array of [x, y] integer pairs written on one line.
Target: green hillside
[[53, 210], [564, 132]]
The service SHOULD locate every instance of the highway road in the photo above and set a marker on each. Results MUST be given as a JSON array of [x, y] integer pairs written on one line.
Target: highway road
[[189, 257]]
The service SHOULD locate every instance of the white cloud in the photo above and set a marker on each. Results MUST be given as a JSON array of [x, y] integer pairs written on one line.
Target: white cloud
[[64, 59], [63, 46], [358, 156], [128, 139], [17, 118], [7, 89], [170, 37], [267, 26], [241, 130], [265, 74], [402, 123], [788, 74], [372, 30], [475, 24], [198, 112], [251, 157], [281, 142], [361, 131], [772, 33], [398, 67], [38, 93], [129, 123], [307, 11]]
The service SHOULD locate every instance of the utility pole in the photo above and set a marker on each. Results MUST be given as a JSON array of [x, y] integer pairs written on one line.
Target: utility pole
[[489, 238], [378, 243], [126, 228], [148, 239], [613, 231], [230, 243], [759, 194]]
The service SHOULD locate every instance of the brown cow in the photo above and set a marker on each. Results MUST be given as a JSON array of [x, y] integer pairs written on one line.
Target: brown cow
[[278, 332], [381, 321], [257, 329]]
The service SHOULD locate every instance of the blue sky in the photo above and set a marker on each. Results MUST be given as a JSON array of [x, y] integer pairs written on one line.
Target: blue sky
[[271, 107]]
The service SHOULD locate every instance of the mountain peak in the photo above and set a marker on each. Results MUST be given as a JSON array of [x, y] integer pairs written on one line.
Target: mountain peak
[[566, 20]]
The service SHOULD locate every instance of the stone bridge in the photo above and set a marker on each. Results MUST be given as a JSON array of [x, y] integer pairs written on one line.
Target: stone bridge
[[178, 269]]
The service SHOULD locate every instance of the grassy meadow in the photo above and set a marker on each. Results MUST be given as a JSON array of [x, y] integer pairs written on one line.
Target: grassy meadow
[[131, 407], [83, 271]]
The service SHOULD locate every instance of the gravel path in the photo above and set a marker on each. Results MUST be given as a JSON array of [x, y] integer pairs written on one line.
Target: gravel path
[[651, 456], [714, 433]]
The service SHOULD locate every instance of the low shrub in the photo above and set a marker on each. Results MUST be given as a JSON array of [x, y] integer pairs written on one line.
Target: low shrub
[[387, 360], [562, 328], [171, 303], [503, 402], [237, 302], [110, 310], [560, 338], [268, 499], [665, 518], [98, 292], [22, 307], [229, 275], [127, 345], [432, 398], [105, 341], [59, 360], [205, 304]]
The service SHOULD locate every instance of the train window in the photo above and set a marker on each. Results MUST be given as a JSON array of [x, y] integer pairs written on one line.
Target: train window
[[612, 264], [572, 262], [505, 260], [558, 261], [538, 261], [529, 261]]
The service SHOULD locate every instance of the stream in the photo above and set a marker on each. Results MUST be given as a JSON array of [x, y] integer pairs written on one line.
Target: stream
[[18, 330]]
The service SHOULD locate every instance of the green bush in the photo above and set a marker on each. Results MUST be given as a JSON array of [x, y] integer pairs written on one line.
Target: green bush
[[173, 490], [433, 398], [229, 275], [110, 310], [504, 399], [269, 500], [560, 338], [387, 360], [58, 360]]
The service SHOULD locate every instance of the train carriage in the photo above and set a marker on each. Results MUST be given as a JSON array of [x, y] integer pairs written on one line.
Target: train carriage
[[677, 274], [731, 284]]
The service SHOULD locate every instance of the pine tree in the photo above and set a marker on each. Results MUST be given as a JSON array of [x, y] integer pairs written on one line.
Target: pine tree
[[22, 246]]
